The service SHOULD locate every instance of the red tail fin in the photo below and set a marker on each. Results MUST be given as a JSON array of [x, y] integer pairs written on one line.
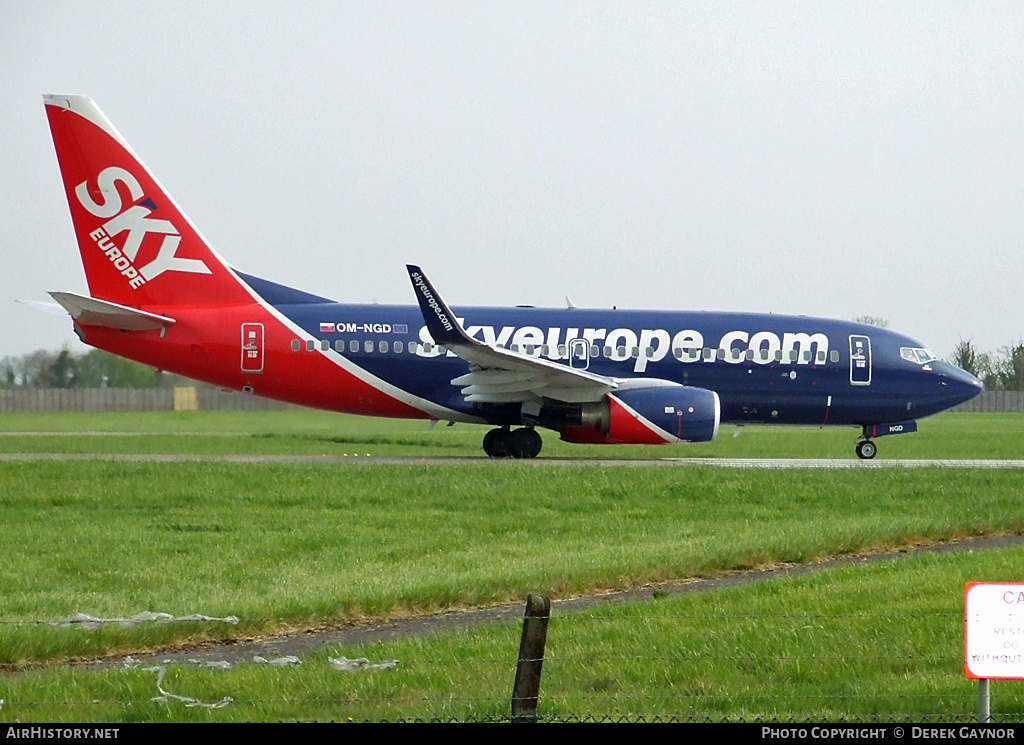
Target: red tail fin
[[138, 247]]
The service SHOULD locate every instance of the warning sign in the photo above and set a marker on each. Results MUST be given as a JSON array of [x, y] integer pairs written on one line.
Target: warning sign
[[994, 630]]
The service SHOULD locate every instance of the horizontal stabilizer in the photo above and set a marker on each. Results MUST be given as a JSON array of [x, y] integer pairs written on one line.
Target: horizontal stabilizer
[[51, 308], [89, 311]]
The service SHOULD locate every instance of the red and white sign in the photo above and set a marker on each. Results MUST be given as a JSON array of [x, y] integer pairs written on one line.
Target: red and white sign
[[994, 630]]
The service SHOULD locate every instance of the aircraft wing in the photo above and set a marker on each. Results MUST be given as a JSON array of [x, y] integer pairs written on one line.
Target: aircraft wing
[[500, 375], [89, 311]]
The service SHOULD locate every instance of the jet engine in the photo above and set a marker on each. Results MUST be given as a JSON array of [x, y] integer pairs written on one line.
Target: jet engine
[[655, 415]]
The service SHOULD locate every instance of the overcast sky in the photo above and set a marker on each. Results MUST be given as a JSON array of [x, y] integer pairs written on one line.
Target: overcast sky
[[830, 159]]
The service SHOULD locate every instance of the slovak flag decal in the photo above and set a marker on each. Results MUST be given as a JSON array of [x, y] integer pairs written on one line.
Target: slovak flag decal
[[326, 328]]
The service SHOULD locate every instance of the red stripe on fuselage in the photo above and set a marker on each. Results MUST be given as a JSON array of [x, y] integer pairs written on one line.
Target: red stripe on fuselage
[[205, 344]]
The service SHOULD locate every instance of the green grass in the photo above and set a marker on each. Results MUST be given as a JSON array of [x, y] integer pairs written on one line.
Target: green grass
[[294, 546], [284, 546], [309, 432], [879, 642]]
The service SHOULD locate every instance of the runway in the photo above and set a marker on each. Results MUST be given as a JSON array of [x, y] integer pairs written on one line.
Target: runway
[[770, 463]]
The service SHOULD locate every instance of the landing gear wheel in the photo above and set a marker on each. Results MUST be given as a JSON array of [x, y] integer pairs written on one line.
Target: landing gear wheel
[[504, 443], [498, 443], [526, 443], [866, 449], [489, 442]]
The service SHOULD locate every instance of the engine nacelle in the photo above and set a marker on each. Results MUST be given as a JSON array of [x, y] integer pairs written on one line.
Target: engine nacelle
[[649, 416]]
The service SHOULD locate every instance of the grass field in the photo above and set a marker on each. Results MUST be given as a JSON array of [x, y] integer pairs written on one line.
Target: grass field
[[301, 431], [882, 642], [291, 546]]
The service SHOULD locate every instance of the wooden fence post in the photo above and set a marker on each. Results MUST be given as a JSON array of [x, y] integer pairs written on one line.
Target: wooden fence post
[[526, 690]]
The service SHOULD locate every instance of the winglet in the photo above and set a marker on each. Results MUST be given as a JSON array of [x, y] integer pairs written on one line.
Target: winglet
[[533, 376], [442, 324]]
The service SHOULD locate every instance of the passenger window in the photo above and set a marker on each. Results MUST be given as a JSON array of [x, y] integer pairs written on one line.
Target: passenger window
[[709, 354], [310, 345], [634, 352], [399, 347], [749, 355], [368, 346], [721, 353], [608, 352], [428, 347], [807, 356], [834, 355], [353, 346], [339, 346], [528, 348], [678, 353], [544, 350], [561, 350], [382, 347], [778, 355], [595, 351], [325, 345], [296, 345]]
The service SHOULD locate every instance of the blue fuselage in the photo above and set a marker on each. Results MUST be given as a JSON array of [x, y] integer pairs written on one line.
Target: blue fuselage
[[765, 368]]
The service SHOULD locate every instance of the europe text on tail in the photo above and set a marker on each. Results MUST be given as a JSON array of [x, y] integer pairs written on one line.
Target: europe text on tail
[[160, 294]]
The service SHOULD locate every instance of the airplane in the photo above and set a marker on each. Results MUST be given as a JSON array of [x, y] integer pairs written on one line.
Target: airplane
[[161, 295]]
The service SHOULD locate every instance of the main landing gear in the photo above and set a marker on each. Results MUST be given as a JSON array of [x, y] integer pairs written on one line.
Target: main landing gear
[[508, 443], [866, 449]]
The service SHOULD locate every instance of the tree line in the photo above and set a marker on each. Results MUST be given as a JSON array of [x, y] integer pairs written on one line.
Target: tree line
[[65, 369], [1002, 370]]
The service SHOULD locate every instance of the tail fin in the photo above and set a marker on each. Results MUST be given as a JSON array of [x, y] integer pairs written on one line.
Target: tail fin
[[138, 248]]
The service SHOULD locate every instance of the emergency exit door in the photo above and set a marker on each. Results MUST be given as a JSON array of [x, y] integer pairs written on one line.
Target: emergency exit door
[[860, 360], [252, 347]]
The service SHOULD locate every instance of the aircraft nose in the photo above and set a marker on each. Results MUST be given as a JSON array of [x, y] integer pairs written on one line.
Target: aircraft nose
[[959, 385]]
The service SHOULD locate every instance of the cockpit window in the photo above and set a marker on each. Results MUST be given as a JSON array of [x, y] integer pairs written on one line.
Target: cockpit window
[[917, 354]]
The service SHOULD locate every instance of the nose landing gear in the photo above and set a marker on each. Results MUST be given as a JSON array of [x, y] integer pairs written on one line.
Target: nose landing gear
[[507, 443], [866, 448]]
